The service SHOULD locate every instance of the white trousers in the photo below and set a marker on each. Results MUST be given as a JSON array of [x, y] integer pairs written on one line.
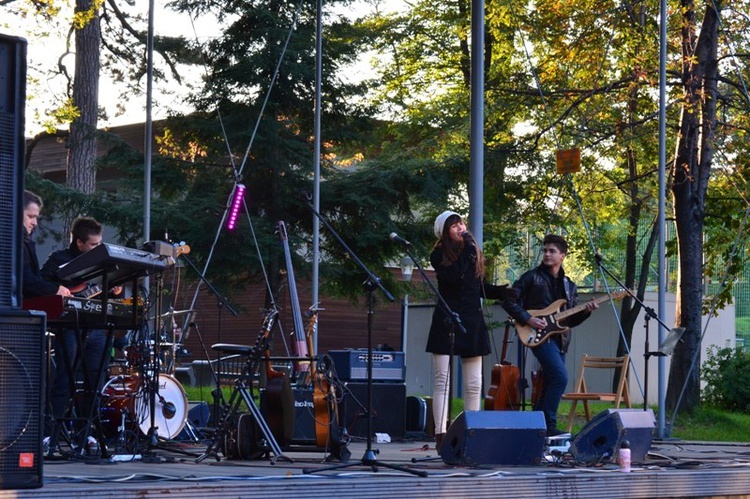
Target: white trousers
[[471, 371]]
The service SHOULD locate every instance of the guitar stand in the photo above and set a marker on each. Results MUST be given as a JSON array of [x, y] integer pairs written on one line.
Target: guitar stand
[[242, 393]]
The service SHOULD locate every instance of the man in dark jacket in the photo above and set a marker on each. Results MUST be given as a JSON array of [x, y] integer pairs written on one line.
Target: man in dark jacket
[[537, 289], [33, 282], [86, 234]]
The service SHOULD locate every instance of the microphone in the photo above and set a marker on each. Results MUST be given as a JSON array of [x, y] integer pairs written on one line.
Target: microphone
[[468, 238], [168, 409], [395, 237]]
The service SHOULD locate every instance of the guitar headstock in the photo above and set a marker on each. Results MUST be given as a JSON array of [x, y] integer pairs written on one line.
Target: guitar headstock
[[181, 249], [619, 295]]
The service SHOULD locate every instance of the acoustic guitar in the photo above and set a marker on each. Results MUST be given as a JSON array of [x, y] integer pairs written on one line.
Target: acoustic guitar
[[324, 397], [279, 400], [532, 337], [504, 393]]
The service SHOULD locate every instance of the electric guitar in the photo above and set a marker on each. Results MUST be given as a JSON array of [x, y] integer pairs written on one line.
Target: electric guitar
[[532, 337], [83, 290]]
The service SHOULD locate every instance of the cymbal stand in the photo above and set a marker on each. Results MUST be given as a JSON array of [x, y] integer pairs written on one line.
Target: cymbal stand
[[150, 376], [369, 458]]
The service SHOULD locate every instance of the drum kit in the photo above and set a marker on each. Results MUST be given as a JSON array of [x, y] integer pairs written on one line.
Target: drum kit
[[132, 389]]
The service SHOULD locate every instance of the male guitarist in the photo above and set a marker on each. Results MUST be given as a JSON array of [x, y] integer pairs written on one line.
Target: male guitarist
[[537, 289]]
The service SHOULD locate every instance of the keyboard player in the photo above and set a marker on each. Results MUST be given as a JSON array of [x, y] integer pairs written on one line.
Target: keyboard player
[[86, 234]]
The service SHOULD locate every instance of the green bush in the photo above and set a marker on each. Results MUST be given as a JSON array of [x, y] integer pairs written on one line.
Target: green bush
[[727, 375]]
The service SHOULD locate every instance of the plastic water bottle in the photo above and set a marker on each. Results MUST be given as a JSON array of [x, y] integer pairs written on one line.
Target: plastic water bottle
[[623, 456]]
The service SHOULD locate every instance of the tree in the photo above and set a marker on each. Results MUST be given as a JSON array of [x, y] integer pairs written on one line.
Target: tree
[[692, 170], [82, 143], [578, 74]]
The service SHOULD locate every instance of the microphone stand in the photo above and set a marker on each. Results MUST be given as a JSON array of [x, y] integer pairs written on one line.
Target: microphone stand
[[452, 320], [222, 302], [650, 314], [369, 458]]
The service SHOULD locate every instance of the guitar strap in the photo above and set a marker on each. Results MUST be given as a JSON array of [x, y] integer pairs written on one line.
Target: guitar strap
[[505, 341], [568, 291]]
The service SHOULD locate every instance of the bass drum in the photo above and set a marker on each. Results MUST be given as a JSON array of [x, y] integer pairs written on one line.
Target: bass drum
[[125, 397]]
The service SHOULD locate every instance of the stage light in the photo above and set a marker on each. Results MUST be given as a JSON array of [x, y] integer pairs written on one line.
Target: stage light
[[234, 212]]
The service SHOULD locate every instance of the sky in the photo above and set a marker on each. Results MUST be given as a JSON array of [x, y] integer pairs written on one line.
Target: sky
[[44, 54]]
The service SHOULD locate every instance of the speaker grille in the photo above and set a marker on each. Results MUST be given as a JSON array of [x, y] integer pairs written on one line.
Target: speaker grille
[[388, 409], [12, 97], [21, 398]]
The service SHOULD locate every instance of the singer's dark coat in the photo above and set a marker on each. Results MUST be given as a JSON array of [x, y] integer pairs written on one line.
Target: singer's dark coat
[[462, 290]]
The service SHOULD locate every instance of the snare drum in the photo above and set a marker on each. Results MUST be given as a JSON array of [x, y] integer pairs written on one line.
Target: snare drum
[[124, 397]]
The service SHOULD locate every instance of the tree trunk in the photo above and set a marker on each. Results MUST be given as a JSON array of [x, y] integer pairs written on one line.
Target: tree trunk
[[692, 167], [82, 144]]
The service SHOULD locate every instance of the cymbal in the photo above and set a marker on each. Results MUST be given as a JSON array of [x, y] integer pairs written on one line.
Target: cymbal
[[176, 312]]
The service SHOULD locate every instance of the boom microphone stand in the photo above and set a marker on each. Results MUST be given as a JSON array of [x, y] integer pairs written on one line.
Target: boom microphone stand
[[665, 348], [452, 321], [372, 281], [222, 302]]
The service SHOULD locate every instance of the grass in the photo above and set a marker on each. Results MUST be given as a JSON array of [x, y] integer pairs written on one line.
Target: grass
[[705, 424]]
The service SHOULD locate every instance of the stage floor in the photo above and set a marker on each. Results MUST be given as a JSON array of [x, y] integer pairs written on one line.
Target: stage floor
[[671, 469]]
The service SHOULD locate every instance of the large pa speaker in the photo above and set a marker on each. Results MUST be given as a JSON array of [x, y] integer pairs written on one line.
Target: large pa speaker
[[12, 102], [495, 437], [388, 409], [603, 435], [21, 398]]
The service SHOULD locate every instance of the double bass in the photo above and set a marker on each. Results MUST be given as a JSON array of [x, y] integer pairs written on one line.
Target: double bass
[[300, 343], [504, 393], [323, 397]]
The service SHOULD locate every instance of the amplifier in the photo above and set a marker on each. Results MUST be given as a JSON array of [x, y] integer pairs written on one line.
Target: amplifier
[[351, 365]]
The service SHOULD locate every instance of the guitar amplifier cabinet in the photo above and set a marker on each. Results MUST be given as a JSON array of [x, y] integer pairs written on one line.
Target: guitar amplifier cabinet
[[351, 365], [388, 409]]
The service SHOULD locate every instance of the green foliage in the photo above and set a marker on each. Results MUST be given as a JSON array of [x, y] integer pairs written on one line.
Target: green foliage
[[726, 373], [710, 424]]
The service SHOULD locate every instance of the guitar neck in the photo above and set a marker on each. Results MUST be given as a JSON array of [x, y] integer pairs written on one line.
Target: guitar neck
[[579, 308]]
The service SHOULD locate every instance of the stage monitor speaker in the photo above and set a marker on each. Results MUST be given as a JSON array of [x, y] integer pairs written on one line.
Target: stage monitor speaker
[[602, 436], [495, 437], [388, 409], [12, 102], [198, 417], [22, 366]]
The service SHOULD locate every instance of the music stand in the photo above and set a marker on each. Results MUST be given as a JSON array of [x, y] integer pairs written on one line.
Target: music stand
[[372, 281], [664, 350]]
